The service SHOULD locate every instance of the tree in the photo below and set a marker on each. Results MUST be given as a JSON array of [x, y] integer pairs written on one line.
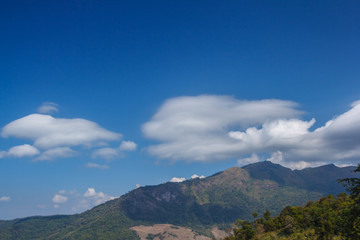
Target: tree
[[353, 187]]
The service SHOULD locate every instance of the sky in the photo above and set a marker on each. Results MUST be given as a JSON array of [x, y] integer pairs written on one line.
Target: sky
[[98, 98]]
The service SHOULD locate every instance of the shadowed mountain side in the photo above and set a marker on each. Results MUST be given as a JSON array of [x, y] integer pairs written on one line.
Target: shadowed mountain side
[[321, 179]]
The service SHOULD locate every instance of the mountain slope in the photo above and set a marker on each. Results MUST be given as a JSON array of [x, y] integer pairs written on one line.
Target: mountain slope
[[198, 204]]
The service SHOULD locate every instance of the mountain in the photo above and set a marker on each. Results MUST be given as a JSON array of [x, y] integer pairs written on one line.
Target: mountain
[[198, 204]]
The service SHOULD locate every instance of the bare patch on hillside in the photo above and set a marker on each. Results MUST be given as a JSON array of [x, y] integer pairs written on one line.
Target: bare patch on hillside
[[167, 232], [218, 234]]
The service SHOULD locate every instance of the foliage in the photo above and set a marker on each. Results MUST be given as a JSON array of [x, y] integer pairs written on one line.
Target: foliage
[[327, 218]]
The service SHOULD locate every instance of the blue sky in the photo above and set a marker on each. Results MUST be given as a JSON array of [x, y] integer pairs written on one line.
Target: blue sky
[[97, 97]]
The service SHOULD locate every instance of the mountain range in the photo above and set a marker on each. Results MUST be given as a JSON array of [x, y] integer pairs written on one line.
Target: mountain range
[[197, 204]]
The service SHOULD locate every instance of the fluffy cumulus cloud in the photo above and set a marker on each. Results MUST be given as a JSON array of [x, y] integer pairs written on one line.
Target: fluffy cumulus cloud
[[75, 202], [23, 151], [48, 108], [58, 198], [182, 179], [177, 180], [97, 197], [206, 128], [194, 176], [5, 199], [127, 146], [57, 137]]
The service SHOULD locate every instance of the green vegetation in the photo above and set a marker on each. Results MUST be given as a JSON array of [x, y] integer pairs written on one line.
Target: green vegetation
[[102, 222], [327, 218]]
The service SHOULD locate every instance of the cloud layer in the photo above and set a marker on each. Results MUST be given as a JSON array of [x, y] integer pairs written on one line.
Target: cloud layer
[[61, 137], [207, 128], [49, 132]]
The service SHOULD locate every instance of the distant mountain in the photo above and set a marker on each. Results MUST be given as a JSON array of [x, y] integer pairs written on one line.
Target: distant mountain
[[319, 179], [198, 203]]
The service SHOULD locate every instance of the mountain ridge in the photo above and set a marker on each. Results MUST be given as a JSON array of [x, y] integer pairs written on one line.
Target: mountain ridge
[[197, 203]]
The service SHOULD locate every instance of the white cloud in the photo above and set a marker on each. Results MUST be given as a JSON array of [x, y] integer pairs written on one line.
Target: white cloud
[[48, 108], [5, 199], [138, 185], [90, 192], [95, 165], [49, 132], [252, 159], [98, 197], [58, 137], [197, 176], [107, 153], [127, 146], [177, 180], [73, 201], [25, 150], [60, 152], [207, 128], [111, 153], [196, 128], [58, 198], [20, 151]]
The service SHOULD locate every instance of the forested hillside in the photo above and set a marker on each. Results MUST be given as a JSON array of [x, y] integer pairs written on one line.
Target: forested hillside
[[328, 218], [199, 204]]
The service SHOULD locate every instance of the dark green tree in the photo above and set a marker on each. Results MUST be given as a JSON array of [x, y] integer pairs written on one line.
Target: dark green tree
[[353, 187]]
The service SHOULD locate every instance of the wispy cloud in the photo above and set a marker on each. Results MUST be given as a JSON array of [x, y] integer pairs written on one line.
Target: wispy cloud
[[5, 199], [106, 153], [48, 108], [60, 152], [95, 165], [208, 128]]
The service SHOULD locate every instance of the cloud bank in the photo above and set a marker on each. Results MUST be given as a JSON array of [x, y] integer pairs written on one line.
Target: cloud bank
[[49, 132], [207, 128], [57, 137]]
